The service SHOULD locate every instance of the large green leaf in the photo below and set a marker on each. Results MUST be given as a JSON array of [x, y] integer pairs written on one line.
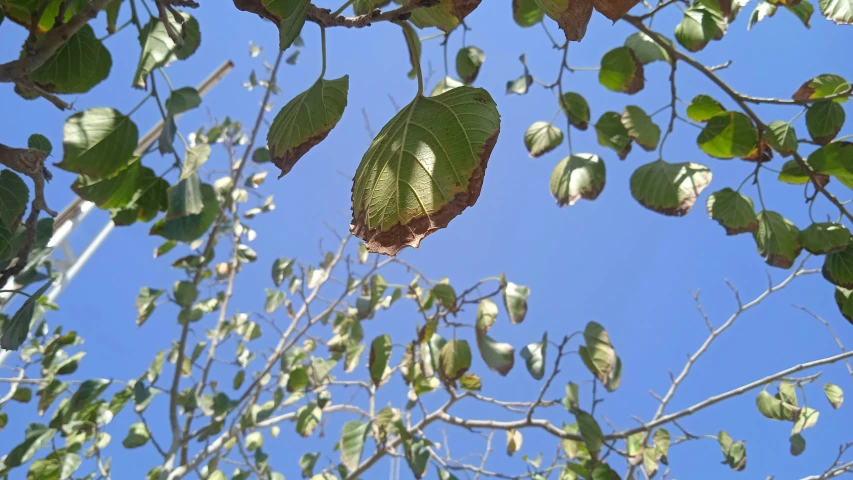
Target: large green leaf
[[774, 408], [353, 436], [526, 13], [571, 16], [582, 175], [118, 190], [838, 266], [825, 237], [542, 137], [16, 329], [734, 211], [646, 49], [468, 63], [190, 227], [290, 16], [640, 127], [424, 168], [380, 354], [591, 432], [454, 360], [159, 50], [37, 436], [306, 120], [77, 66], [98, 142], [185, 198], [500, 357], [534, 356], [778, 240], [803, 11], [699, 26], [728, 135], [577, 109], [834, 159], [822, 86], [182, 100], [14, 196], [839, 11], [824, 120], [621, 71], [445, 14], [612, 133], [669, 188], [782, 137]]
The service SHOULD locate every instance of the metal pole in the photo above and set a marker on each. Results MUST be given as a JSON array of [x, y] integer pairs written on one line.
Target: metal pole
[[78, 209]]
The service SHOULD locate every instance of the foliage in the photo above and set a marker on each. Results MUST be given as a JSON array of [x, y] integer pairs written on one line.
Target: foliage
[[425, 167]]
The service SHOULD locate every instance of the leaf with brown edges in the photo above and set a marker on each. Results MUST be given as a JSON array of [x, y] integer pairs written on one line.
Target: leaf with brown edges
[[571, 15], [424, 168]]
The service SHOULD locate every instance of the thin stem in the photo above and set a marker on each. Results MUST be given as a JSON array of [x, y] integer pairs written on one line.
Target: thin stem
[[343, 7], [323, 48]]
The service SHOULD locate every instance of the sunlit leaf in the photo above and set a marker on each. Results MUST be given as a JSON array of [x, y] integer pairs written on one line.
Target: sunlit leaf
[[669, 188], [702, 108], [621, 71], [582, 175], [137, 436], [782, 137], [646, 49], [159, 50], [728, 135], [291, 15], [513, 441], [353, 436], [468, 63], [826, 237], [613, 134], [98, 142], [526, 13], [834, 394], [534, 356], [778, 240], [542, 137], [576, 108], [824, 120], [640, 127], [734, 211], [79, 64]]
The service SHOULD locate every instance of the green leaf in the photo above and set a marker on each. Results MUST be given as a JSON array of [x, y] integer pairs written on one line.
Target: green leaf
[[185, 198], [782, 137], [600, 357], [380, 354], [307, 462], [98, 142], [137, 436], [822, 86], [735, 212], [515, 301], [838, 266], [417, 456], [487, 313], [281, 269], [190, 227], [120, 190], [591, 433], [824, 120], [839, 11], [645, 49], [159, 50], [353, 436], [185, 293], [778, 240], [16, 329], [397, 199], [445, 85], [196, 157], [306, 121], [37, 436], [307, 419], [275, 299], [77, 65], [14, 196], [613, 134], [669, 188], [640, 127], [734, 452], [542, 137], [798, 444], [446, 15], [662, 440], [182, 100], [699, 26], [291, 16], [571, 17], [261, 155], [520, 85], [513, 441], [468, 63], [39, 142], [471, 382], [145, 304], [728, 135], [526, 13], [774, 408], [534, 356], [454, 360], [113, 9], [802, 11], [835, 159], [826, 237], [621, 71], [582, 175], [571, 401], [500, 357], [22, 395], [254, 441], [702, 108], [576, 109], [807, 418], [762, 10], [834, 394]]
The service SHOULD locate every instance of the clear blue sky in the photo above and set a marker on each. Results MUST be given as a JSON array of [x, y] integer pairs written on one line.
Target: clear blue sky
[[609, 260]]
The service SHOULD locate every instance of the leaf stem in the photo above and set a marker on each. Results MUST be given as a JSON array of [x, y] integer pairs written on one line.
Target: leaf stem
[[343, 7], [409, 33], [323, 48]]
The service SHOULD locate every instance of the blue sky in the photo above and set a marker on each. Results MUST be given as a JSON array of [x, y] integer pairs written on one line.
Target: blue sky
[[608, 260]]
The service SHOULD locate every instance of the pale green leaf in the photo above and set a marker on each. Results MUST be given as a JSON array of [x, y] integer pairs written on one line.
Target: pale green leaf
[[778, 240], [669, 188], [621, 71], [159, 50], [542, 137], [534, 356], [98, 142], [734, 211], [582, 175]]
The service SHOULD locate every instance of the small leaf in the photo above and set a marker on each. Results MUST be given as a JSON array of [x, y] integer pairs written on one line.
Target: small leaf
[[572, 17], [306, 120], [468, 63], [380, 354], [526, 13], [600, 357], [762, 10], [182, 100], [520, 85], [500, 357], [824, 238], [534, 356], [735, 212], [669, 188], [275, 299], [261, 155], [803, 11], [190, 227], [291, 15], [353, 436], [824, 120], [591, 433], [515, 301], [640, 127], [307, 419], [471, 382], [838, 266], [782, 137], [621, 71], [582, 175], [137, 436], [254, 441], [455, 360], [15, 331], [778, 240], [454, 133], [613, 134], [39, 142], [542, 137], [307, 462], [702, 108], [699, 26], [281, 269], [576, 109], [159, 50], [834, 394], [728, 135], [444, 14], [734, 452], [487, 313], [646, 49], [513, 441], [807, 418], [774, 408], [185, 198], [571, 401], [798, 444], [822, 86]]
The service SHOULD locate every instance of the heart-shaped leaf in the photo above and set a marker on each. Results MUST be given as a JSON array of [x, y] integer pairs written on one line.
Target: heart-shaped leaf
[[778, 240], [824, 120], [702, 108], [612, 133], [526, 13], [468, 63], [782, 137], [290, 16], [838, 266], [577, 109], [77, 66], [669, 188], [824, 238], [822, 86], [699, 26], [98, 142], [582, 175], [728, 135], [735, 212], [640, 127], [839, 11], [621, 71], [159, 50], [571, 16], [646, 49], [542, 137]]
